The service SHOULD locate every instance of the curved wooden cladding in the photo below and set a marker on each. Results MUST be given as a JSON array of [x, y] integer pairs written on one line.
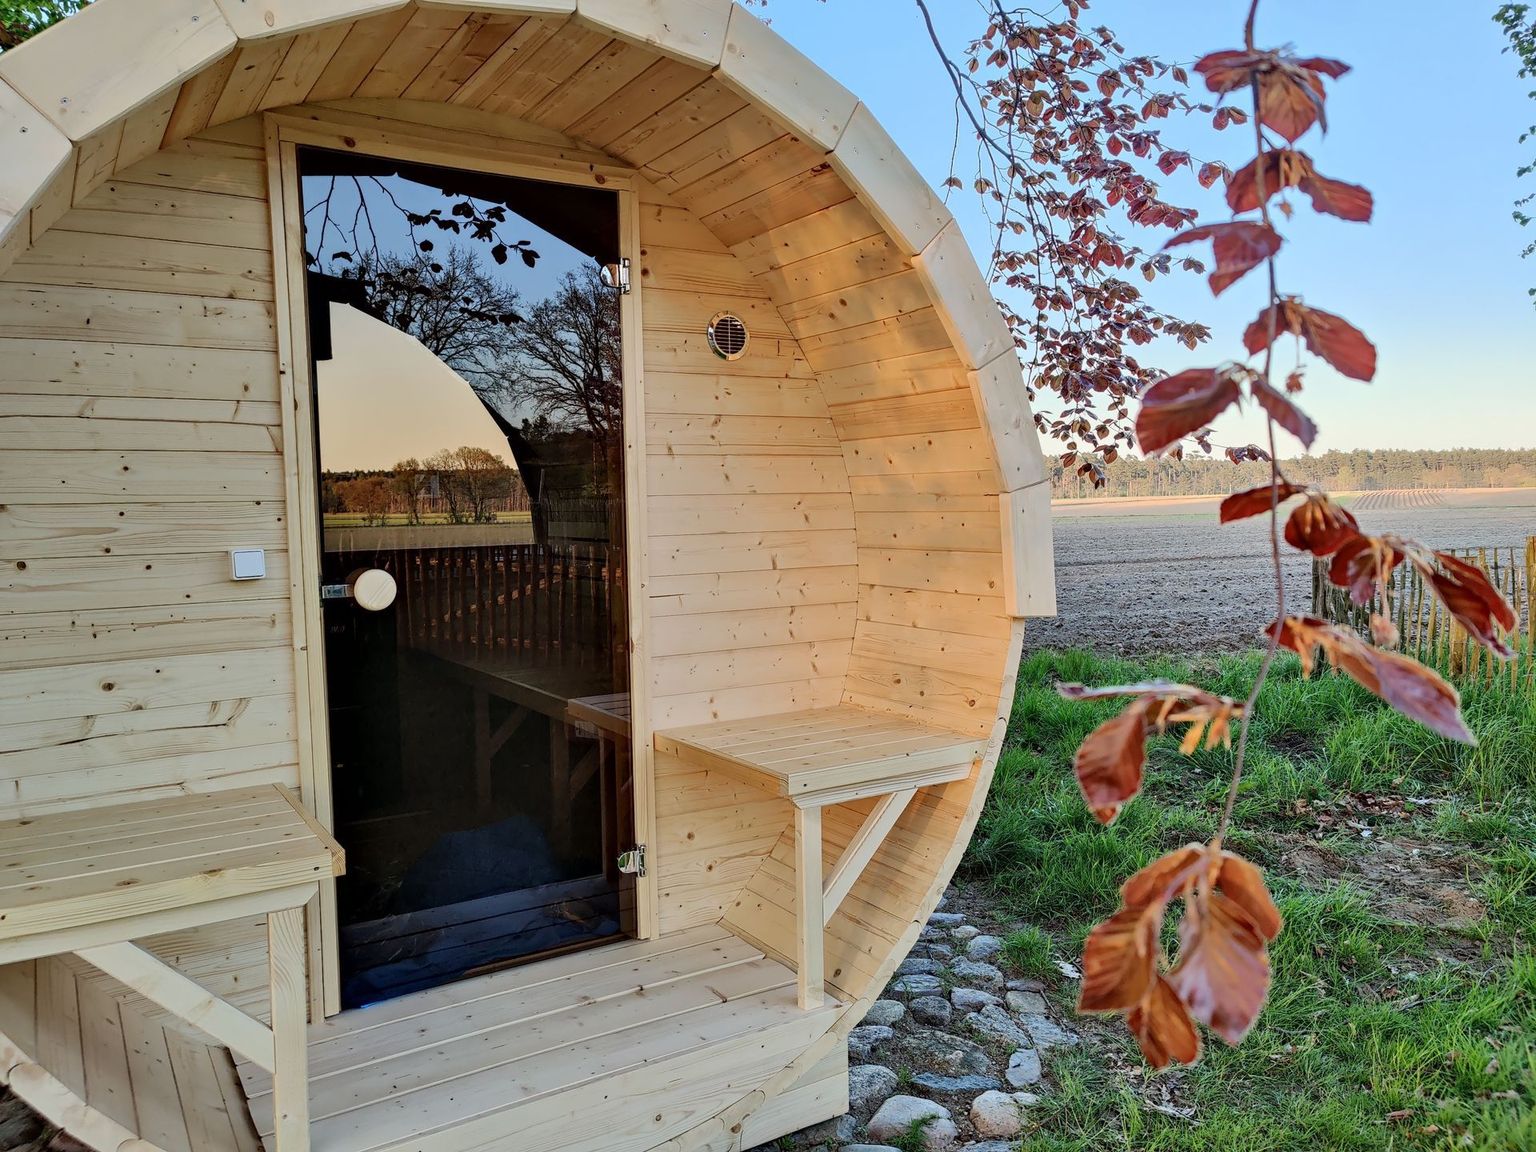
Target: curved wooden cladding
[[854, 512]]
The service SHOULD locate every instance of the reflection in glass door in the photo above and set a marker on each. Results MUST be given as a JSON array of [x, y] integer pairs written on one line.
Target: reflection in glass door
[[469, 399]]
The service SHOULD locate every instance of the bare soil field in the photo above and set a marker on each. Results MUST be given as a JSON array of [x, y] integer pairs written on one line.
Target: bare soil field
[[1162, 575]]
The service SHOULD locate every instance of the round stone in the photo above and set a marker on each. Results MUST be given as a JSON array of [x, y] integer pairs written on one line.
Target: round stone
[[996, 1114], [885, 1012], [898, 1114], [934, 1010], [869, 1086], [1023, 1068], [984, 947]]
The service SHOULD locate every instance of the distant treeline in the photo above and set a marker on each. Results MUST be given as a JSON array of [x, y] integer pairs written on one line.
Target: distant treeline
[[1362, 470]]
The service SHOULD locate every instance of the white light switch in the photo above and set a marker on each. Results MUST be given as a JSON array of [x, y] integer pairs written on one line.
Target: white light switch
[[248, 563]]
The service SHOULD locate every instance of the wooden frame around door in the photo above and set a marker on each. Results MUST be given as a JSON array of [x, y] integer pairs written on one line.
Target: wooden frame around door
[[285, 132]]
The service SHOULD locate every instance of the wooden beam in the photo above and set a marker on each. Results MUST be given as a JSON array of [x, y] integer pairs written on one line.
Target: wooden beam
[[762, 67], [108, 59], [1002, 401], [888, 185], [257, 19], [1029, 561], [692, 31], [161, 984], [810, 923], [34, 151], [862, 848], [290, 999], [963, 298]]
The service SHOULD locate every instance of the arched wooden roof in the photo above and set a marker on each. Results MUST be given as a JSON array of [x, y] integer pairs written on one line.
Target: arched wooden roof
[[123, 78]]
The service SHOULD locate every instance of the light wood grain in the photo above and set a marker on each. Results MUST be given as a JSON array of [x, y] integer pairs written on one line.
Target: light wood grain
[[108, 60]]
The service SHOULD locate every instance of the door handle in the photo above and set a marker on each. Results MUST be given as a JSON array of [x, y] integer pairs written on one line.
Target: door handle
[[371, 589]]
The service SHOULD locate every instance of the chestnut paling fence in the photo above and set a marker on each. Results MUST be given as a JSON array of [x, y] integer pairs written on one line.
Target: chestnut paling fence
[[1427, 631], [550, 605]]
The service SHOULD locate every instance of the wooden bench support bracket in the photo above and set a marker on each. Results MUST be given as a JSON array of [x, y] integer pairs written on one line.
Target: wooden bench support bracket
[[862, 848], [161, 984]]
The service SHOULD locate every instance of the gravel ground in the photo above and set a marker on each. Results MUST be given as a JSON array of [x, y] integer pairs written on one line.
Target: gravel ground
[[1146, 576]]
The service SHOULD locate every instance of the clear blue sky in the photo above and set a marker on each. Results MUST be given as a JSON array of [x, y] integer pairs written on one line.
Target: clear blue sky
[[1428, 120]]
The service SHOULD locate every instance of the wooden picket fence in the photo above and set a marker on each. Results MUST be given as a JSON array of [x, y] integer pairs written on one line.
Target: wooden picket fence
[[1430, 634], [548, 605]]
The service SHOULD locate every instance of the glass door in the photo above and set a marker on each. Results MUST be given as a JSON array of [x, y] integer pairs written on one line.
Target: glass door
[[469, 410]]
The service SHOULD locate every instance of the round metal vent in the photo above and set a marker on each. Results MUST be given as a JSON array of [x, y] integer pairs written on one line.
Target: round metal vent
[[728, 336]]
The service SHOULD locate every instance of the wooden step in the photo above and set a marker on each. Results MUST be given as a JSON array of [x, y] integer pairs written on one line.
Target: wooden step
[[487, 1059]]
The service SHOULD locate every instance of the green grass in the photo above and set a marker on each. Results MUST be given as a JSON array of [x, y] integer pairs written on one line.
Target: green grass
[[1396, 1020]]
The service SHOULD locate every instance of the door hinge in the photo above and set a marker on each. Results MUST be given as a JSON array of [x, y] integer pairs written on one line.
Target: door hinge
[[632, 863], [617, 276]]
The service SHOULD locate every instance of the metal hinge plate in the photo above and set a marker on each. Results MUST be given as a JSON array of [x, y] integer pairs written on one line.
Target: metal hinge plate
[[632, 863], [617, 276]]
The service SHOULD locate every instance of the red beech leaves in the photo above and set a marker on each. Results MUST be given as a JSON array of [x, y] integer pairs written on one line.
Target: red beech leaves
[[1319, 526], [1332, 337], [1478, 606], [1408, 686], [1109, 763], [1221, 975], [1280, 168], [1256, 501], [1238, 247], [1223, 971], [1291, 95], [1286, 414], [1178, 406], [1162, 1026], [1362, 564]]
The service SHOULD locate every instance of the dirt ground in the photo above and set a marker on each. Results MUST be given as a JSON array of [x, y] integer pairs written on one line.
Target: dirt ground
[[1162, 575]]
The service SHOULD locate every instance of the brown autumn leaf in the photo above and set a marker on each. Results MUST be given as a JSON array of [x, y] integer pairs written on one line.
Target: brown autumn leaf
[[1276, 169], [1319, 526], [1120, 955], [1166, 878], [1361, 564], [1412, 689], [1120, 960], [1243, 884], [1257, 501], [1238, 247], [1222, 974], [1284, 412], [1477, 605], [1109, 762], [1332, 337], [1291, 94], [1338, 197], [1162, 1027], [1177, 406], [1419, 693]]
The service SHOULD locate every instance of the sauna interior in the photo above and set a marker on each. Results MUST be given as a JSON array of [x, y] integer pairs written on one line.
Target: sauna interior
[[516, 526]]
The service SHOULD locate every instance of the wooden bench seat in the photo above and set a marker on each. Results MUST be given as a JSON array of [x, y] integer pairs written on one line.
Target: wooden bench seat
[[827, 756], [91, 882]]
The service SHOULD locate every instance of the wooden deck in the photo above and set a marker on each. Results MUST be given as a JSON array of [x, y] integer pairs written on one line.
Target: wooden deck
[[557, 1054]]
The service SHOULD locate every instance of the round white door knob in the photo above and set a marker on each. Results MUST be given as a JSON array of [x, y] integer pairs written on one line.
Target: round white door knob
[[372, 589]]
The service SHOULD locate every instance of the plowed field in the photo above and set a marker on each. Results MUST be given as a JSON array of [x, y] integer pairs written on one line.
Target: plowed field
[[1138, 576]]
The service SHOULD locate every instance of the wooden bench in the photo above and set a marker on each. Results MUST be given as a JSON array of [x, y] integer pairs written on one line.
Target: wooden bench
[[828, 756], [89, 882]]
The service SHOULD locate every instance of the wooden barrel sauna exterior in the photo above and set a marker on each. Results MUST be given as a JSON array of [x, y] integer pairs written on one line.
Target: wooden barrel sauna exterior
[[851, 514]]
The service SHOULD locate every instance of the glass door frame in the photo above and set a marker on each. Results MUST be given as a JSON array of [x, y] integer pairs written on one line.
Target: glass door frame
[[530, 157]]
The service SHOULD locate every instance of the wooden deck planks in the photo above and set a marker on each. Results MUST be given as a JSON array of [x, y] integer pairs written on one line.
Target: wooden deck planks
[[502, 1042]]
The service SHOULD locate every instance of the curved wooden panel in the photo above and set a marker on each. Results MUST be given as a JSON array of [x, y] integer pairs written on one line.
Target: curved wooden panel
[[854, 514]]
